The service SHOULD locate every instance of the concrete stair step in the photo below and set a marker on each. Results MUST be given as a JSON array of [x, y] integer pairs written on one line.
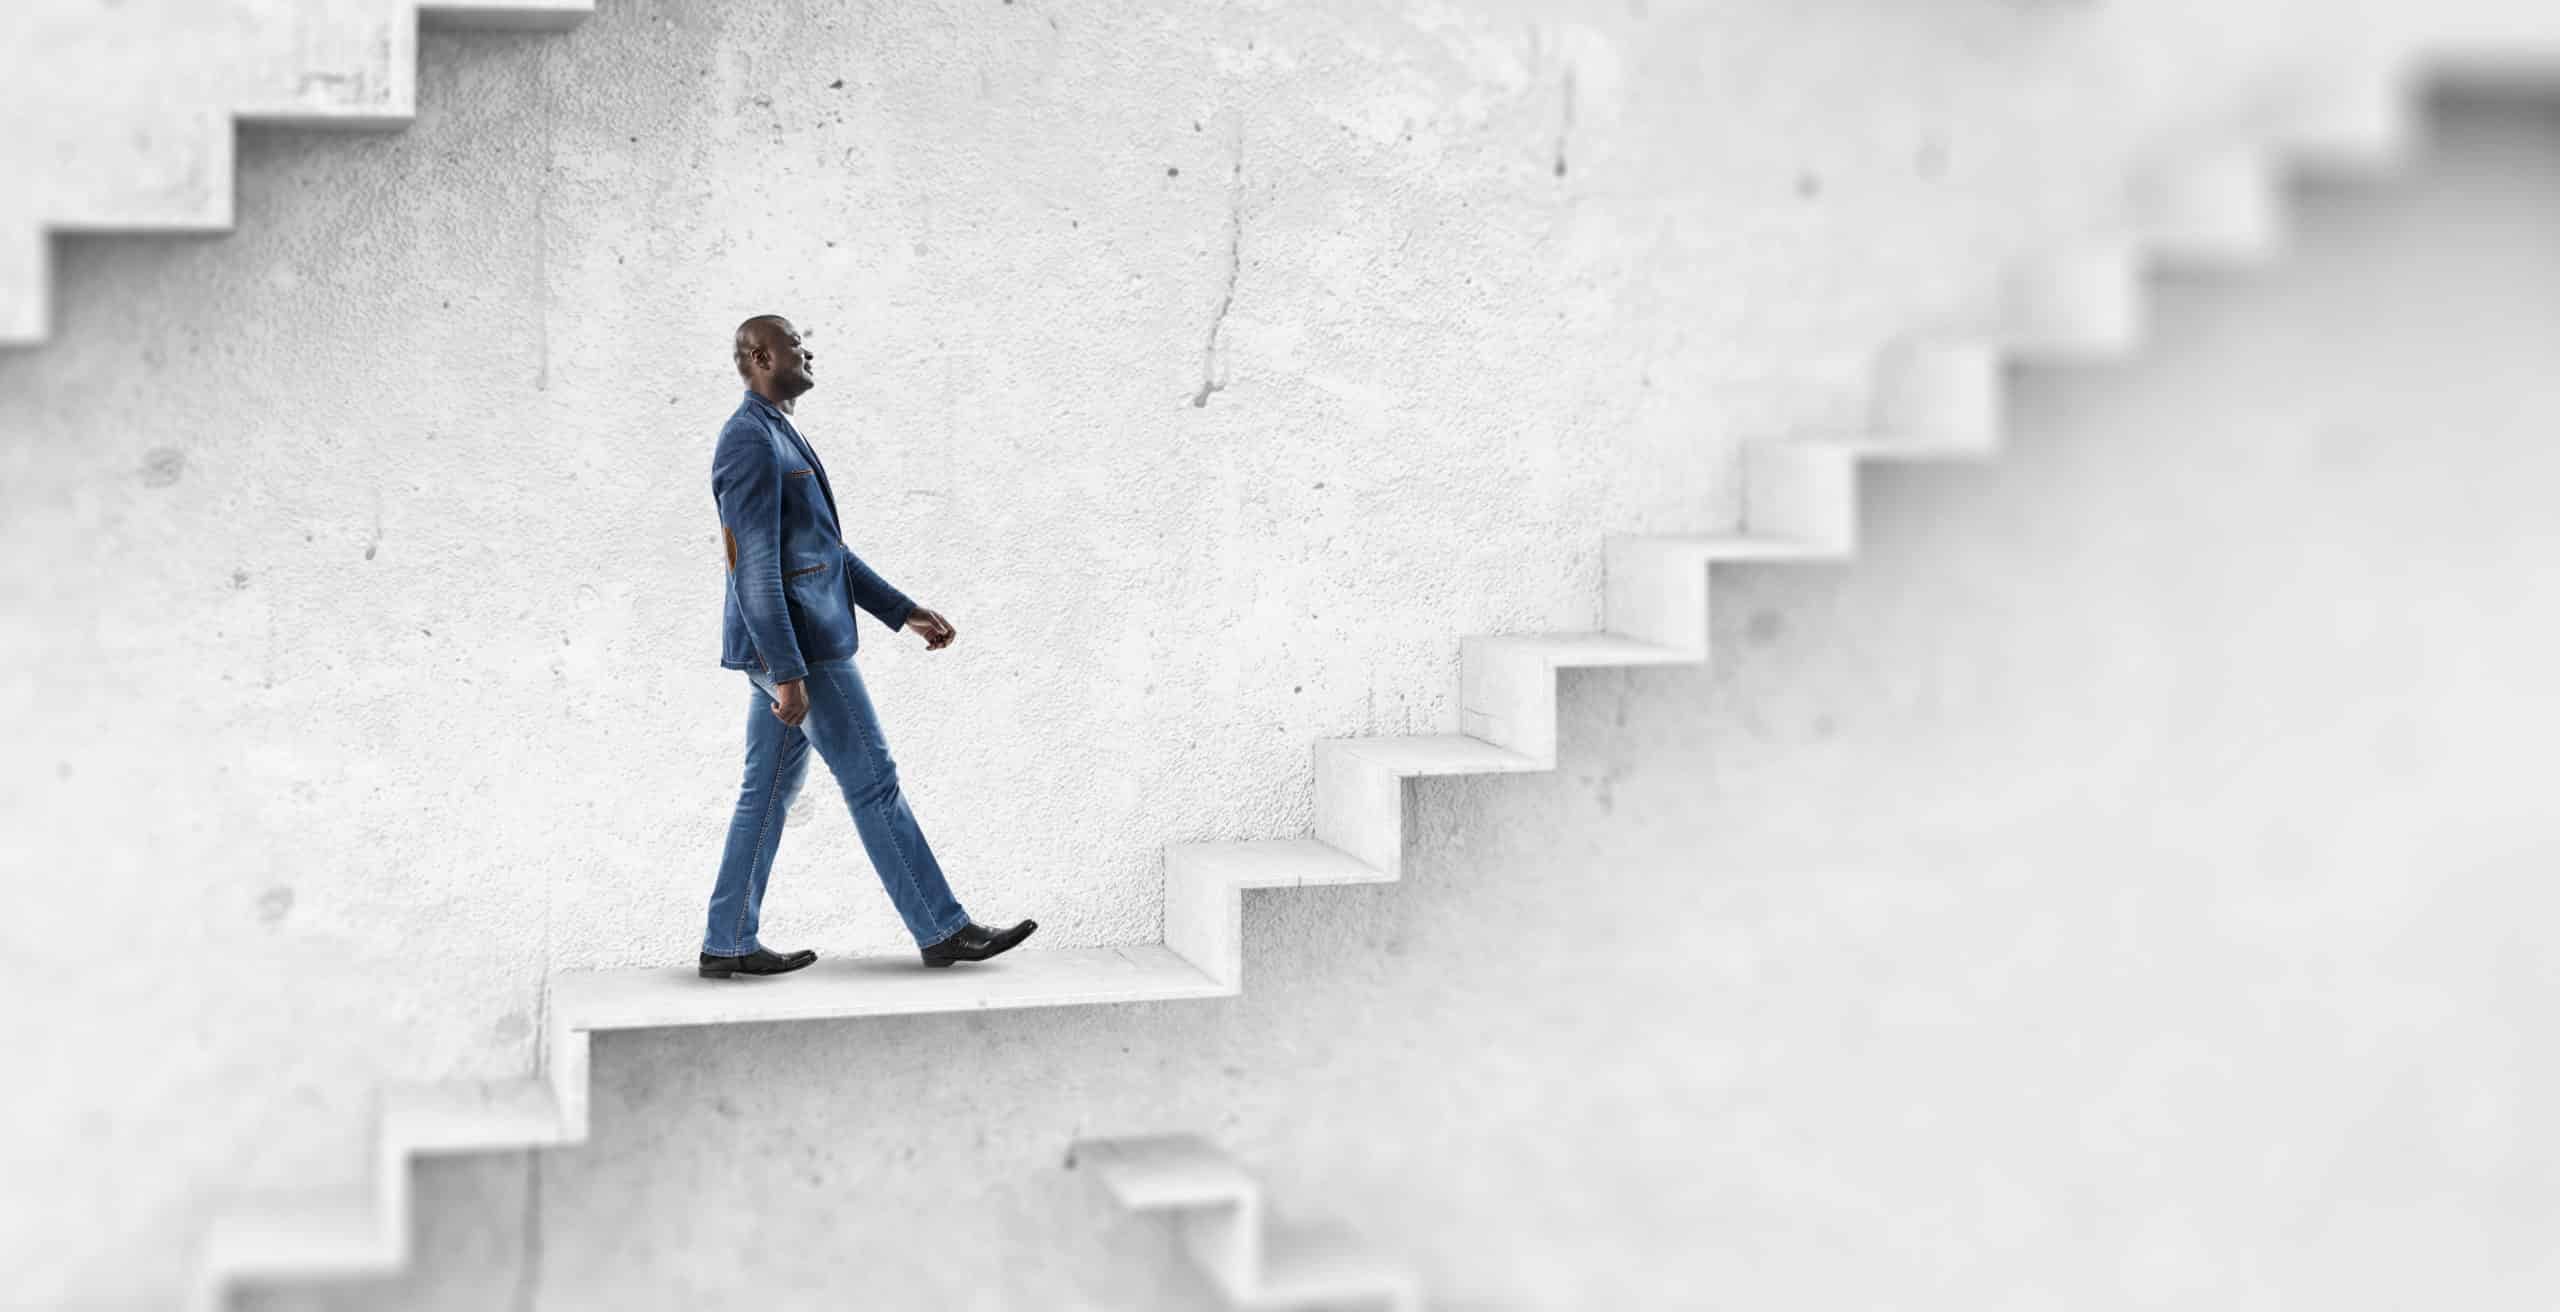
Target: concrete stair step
[[1162, 1172], [1421, 755], [524, 15], [316, 1242], [1270, 863], [605, 1000], [1579, 650], [471, 1116], [1709, 549], [2219, 211], [1309, 1267], [1222, 1218], [106, 138]]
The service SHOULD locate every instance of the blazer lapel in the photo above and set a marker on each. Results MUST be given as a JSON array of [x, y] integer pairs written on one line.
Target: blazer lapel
[[820, 466]]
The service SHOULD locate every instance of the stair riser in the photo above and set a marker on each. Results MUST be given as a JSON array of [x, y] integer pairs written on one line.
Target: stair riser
[[1507, 695], [1656, 593], [2221, 213], [1225, 1243], [1802, 492], [2078, 307], [1940, 393], [566, 1054], [1204, 921], [1360, 807]]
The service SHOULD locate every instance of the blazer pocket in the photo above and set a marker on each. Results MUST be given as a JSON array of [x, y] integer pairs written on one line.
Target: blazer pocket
[[809, 569], [798, 473]]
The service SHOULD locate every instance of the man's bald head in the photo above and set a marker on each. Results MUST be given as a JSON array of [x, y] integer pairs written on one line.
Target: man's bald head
[[772, 360]]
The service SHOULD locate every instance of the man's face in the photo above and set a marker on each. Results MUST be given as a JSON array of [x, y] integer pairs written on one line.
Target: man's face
[[794, 364]]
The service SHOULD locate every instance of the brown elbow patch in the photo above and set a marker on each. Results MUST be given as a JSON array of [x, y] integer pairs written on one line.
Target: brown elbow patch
[[729, 541]]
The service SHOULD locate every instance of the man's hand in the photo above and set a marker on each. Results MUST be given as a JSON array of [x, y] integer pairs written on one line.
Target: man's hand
[[791, 702], [937, 631]]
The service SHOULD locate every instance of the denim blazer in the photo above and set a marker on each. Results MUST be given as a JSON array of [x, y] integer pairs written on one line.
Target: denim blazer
[[793, 582]]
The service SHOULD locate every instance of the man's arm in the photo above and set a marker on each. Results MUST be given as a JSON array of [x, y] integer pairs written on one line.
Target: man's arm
[[873, 593], [748, 485]]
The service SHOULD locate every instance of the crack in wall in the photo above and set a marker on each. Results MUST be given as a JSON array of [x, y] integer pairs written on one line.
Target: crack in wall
[[548, 97], [1564, 130], [1212, 354]]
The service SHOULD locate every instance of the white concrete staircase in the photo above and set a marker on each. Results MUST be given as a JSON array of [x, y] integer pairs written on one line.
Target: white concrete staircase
[[99, 142], [1226, 1228], [1935, 397]]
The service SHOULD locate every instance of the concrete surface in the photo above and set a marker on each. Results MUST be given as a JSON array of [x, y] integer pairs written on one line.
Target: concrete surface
[[120, 112], [2121, 889], [1213, 370]]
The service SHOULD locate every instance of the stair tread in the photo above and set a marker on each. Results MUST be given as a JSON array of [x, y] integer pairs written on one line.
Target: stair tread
[[1435, 754], [1738, 546], [478, 8], [1587, 649], [535, 14], [1162, 1171], [297, 1239], [654, 998], [1885, 446], [1310, 1265], [1278, 863], [472, 1116]]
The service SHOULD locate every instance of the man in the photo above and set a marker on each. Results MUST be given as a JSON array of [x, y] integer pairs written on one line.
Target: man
[[789, 624]]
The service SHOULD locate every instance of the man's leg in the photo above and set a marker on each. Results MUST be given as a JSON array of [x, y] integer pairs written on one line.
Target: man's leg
[[846, 732], [777, 760]]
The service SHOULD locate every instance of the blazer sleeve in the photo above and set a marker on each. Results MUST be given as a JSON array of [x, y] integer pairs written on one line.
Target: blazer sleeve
[[873, 593], [747, 483]]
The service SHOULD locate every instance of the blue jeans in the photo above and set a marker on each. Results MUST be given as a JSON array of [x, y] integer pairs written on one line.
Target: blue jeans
[[847, 734]]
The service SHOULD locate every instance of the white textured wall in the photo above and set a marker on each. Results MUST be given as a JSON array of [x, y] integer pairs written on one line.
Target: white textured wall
[[2127, 887], [363, 589]]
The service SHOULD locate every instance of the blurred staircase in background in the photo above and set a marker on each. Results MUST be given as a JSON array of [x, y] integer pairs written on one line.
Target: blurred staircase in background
[[122, 115], [1224, 1224]]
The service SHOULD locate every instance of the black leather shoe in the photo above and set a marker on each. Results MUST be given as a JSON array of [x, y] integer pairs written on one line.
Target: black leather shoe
[[976, 942], [762, 961]]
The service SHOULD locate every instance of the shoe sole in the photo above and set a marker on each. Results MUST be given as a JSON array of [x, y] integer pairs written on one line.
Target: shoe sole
[[731, 972], [946, 962]]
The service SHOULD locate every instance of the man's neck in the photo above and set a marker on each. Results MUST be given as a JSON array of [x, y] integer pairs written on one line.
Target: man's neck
[[782, 404]]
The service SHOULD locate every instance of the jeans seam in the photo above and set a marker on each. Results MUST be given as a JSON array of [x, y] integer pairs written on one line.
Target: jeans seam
[[906, 864], [755, 859]]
